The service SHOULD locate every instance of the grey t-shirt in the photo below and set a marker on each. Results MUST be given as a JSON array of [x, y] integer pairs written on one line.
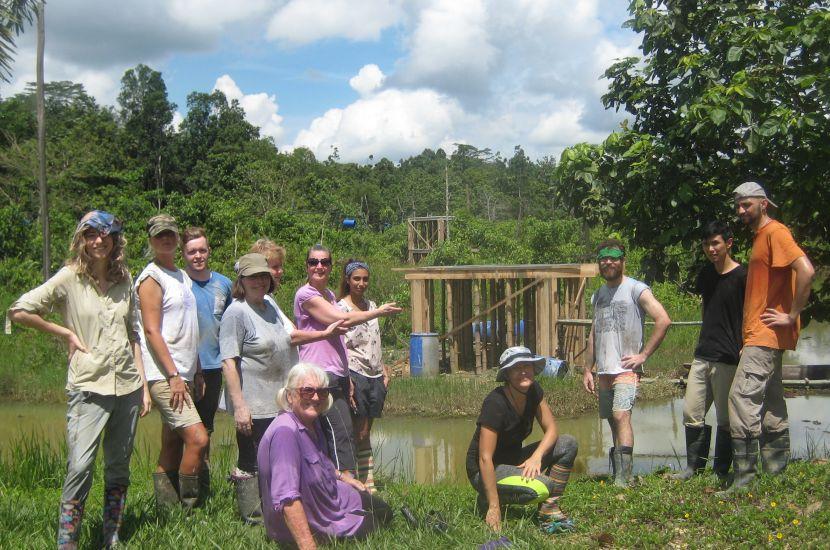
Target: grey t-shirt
[[618, 324], [263, 343]]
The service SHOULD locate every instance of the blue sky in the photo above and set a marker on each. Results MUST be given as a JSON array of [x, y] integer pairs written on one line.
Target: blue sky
[[370, 77]]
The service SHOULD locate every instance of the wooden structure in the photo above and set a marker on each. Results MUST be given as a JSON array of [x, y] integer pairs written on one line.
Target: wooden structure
[[424, 234], [479, 310]]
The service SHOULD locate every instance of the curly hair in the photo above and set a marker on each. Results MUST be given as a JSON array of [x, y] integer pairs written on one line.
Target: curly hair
[[80, 262]]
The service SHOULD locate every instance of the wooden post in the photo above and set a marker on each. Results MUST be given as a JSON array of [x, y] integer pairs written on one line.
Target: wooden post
[[453, 343], [430, 326], [502, 324], [554, 318], [419, 306], [508, 313], [477, 349], [542, 311], [410, 241], [492, 349]]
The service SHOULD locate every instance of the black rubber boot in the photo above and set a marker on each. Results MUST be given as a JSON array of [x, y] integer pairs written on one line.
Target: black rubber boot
[[697, 451], [624, 458], [745, 462], [204, 483], [247, 500], [723, 454], [775, 451], [165, 487], [189, 491], [612, 464]]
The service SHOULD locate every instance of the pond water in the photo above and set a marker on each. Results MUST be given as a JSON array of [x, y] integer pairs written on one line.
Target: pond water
[[427, 450]]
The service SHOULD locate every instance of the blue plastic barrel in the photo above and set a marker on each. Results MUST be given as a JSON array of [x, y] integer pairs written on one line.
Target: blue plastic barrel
[[424, 354], [349, 223]]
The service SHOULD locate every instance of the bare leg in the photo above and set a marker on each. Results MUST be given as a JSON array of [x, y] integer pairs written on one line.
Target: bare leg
[[170, 455], [621, 428], [196, 440]]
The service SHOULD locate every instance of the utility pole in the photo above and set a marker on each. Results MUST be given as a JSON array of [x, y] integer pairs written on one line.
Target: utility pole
[[41, 142]]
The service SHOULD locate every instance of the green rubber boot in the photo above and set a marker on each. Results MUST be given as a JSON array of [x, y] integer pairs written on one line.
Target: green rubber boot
[[775, 451], [745, 462], [697, 451], [165, 487]]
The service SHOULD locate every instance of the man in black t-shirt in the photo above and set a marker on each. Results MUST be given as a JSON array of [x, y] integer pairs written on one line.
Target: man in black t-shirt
[[721, 284]]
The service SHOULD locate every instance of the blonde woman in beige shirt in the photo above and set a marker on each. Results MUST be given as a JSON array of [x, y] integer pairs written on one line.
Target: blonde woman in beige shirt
[[106, 387]]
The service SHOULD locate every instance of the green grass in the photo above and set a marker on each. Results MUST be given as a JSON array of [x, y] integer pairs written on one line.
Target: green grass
[[657, 512]]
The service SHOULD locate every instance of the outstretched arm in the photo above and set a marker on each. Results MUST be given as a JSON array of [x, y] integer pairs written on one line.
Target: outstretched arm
[[325, 312]]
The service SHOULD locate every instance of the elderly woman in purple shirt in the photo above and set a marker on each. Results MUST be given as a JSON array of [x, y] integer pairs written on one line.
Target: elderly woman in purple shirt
[[303, 495]]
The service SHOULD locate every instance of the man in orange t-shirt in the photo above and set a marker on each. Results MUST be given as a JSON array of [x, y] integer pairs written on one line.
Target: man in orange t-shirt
[[777, 289]]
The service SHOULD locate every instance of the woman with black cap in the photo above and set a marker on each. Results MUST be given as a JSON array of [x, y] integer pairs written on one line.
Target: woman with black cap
[[105, 386], [499, 467]]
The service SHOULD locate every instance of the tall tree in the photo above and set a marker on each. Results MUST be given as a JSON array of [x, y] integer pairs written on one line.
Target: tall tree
[[146, 115], [724, 92]]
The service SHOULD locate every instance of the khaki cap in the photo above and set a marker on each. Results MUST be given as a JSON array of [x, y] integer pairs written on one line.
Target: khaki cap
[[252, 264], [160, 224]]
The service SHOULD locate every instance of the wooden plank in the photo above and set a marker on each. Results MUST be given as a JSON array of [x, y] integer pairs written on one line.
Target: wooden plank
[[430, 306], [542, 312], [410, 241], [418, 300], [508, 312], [492, 347], [452, 342], [477, 349]]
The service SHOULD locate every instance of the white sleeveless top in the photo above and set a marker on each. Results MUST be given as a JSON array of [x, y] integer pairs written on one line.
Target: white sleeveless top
[[179, 322]]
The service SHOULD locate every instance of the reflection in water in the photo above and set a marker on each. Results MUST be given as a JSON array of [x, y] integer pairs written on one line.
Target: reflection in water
[[427, 450], [813, 346]]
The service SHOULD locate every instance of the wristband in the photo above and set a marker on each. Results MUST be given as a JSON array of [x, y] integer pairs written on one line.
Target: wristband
[[172, 376]]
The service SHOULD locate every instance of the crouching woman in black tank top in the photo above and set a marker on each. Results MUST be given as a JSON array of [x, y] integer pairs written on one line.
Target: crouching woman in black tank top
[[499, 467]]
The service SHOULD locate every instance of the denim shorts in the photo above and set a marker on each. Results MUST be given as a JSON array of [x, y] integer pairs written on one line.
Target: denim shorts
[[620, 396]]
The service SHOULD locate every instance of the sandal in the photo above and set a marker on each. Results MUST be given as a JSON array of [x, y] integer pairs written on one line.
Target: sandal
[[551, 527]]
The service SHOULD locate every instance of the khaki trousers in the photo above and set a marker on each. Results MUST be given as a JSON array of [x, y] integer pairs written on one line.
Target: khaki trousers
[[756, 399], [708, 382]]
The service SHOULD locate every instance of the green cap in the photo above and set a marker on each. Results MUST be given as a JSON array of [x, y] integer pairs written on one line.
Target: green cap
[[161, 223], [252, 264]]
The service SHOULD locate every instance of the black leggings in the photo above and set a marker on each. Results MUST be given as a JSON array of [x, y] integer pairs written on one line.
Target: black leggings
[[248, 444]]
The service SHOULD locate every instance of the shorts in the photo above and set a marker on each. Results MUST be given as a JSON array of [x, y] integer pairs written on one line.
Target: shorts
[[207, 405], [160, 393], [369, 395], [617, 392]]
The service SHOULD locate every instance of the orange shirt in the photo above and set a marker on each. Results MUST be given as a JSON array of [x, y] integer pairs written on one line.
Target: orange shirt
[[770, 283]]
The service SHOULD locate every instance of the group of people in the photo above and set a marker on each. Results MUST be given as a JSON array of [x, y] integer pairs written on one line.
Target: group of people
[[304, 396], [168, 339]]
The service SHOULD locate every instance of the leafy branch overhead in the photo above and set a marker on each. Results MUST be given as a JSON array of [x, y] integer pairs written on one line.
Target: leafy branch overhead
[[724, 92]]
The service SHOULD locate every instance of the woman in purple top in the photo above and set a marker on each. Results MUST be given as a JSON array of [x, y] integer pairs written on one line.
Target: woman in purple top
[[303, 494], [314, 309]]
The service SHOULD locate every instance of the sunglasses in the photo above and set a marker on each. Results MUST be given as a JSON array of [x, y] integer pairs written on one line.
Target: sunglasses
[[313, 262], [307, 392]]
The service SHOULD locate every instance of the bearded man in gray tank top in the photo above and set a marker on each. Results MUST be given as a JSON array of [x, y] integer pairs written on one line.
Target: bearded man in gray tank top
[[616, 347]]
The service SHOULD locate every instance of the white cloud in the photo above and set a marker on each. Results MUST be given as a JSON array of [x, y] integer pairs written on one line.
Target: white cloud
[[178, 118], [451, 48], [304, 21], [213, 15], [562, 126], [392, 123], [367, 80], [260, 109]]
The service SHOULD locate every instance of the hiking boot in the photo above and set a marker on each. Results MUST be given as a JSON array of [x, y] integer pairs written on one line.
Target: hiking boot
[[624, 460], [204, 483], [697, 451], [745, 462], [723, 454], [247, 499], [69, 524], [115, 500], [165, 487], [775, 451], [189, 491]]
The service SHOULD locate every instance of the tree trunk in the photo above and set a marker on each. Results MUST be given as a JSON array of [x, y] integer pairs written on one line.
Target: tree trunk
[[41, 143]]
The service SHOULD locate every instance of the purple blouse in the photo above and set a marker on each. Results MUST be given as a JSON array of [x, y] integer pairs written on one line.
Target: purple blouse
[[293, 465], [330, 354]]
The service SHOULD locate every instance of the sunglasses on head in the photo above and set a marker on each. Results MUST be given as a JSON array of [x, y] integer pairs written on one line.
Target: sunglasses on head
[[313, 262], [307, 392]]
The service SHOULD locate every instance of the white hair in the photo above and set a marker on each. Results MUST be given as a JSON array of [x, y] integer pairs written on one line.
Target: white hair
[[296, 375]]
